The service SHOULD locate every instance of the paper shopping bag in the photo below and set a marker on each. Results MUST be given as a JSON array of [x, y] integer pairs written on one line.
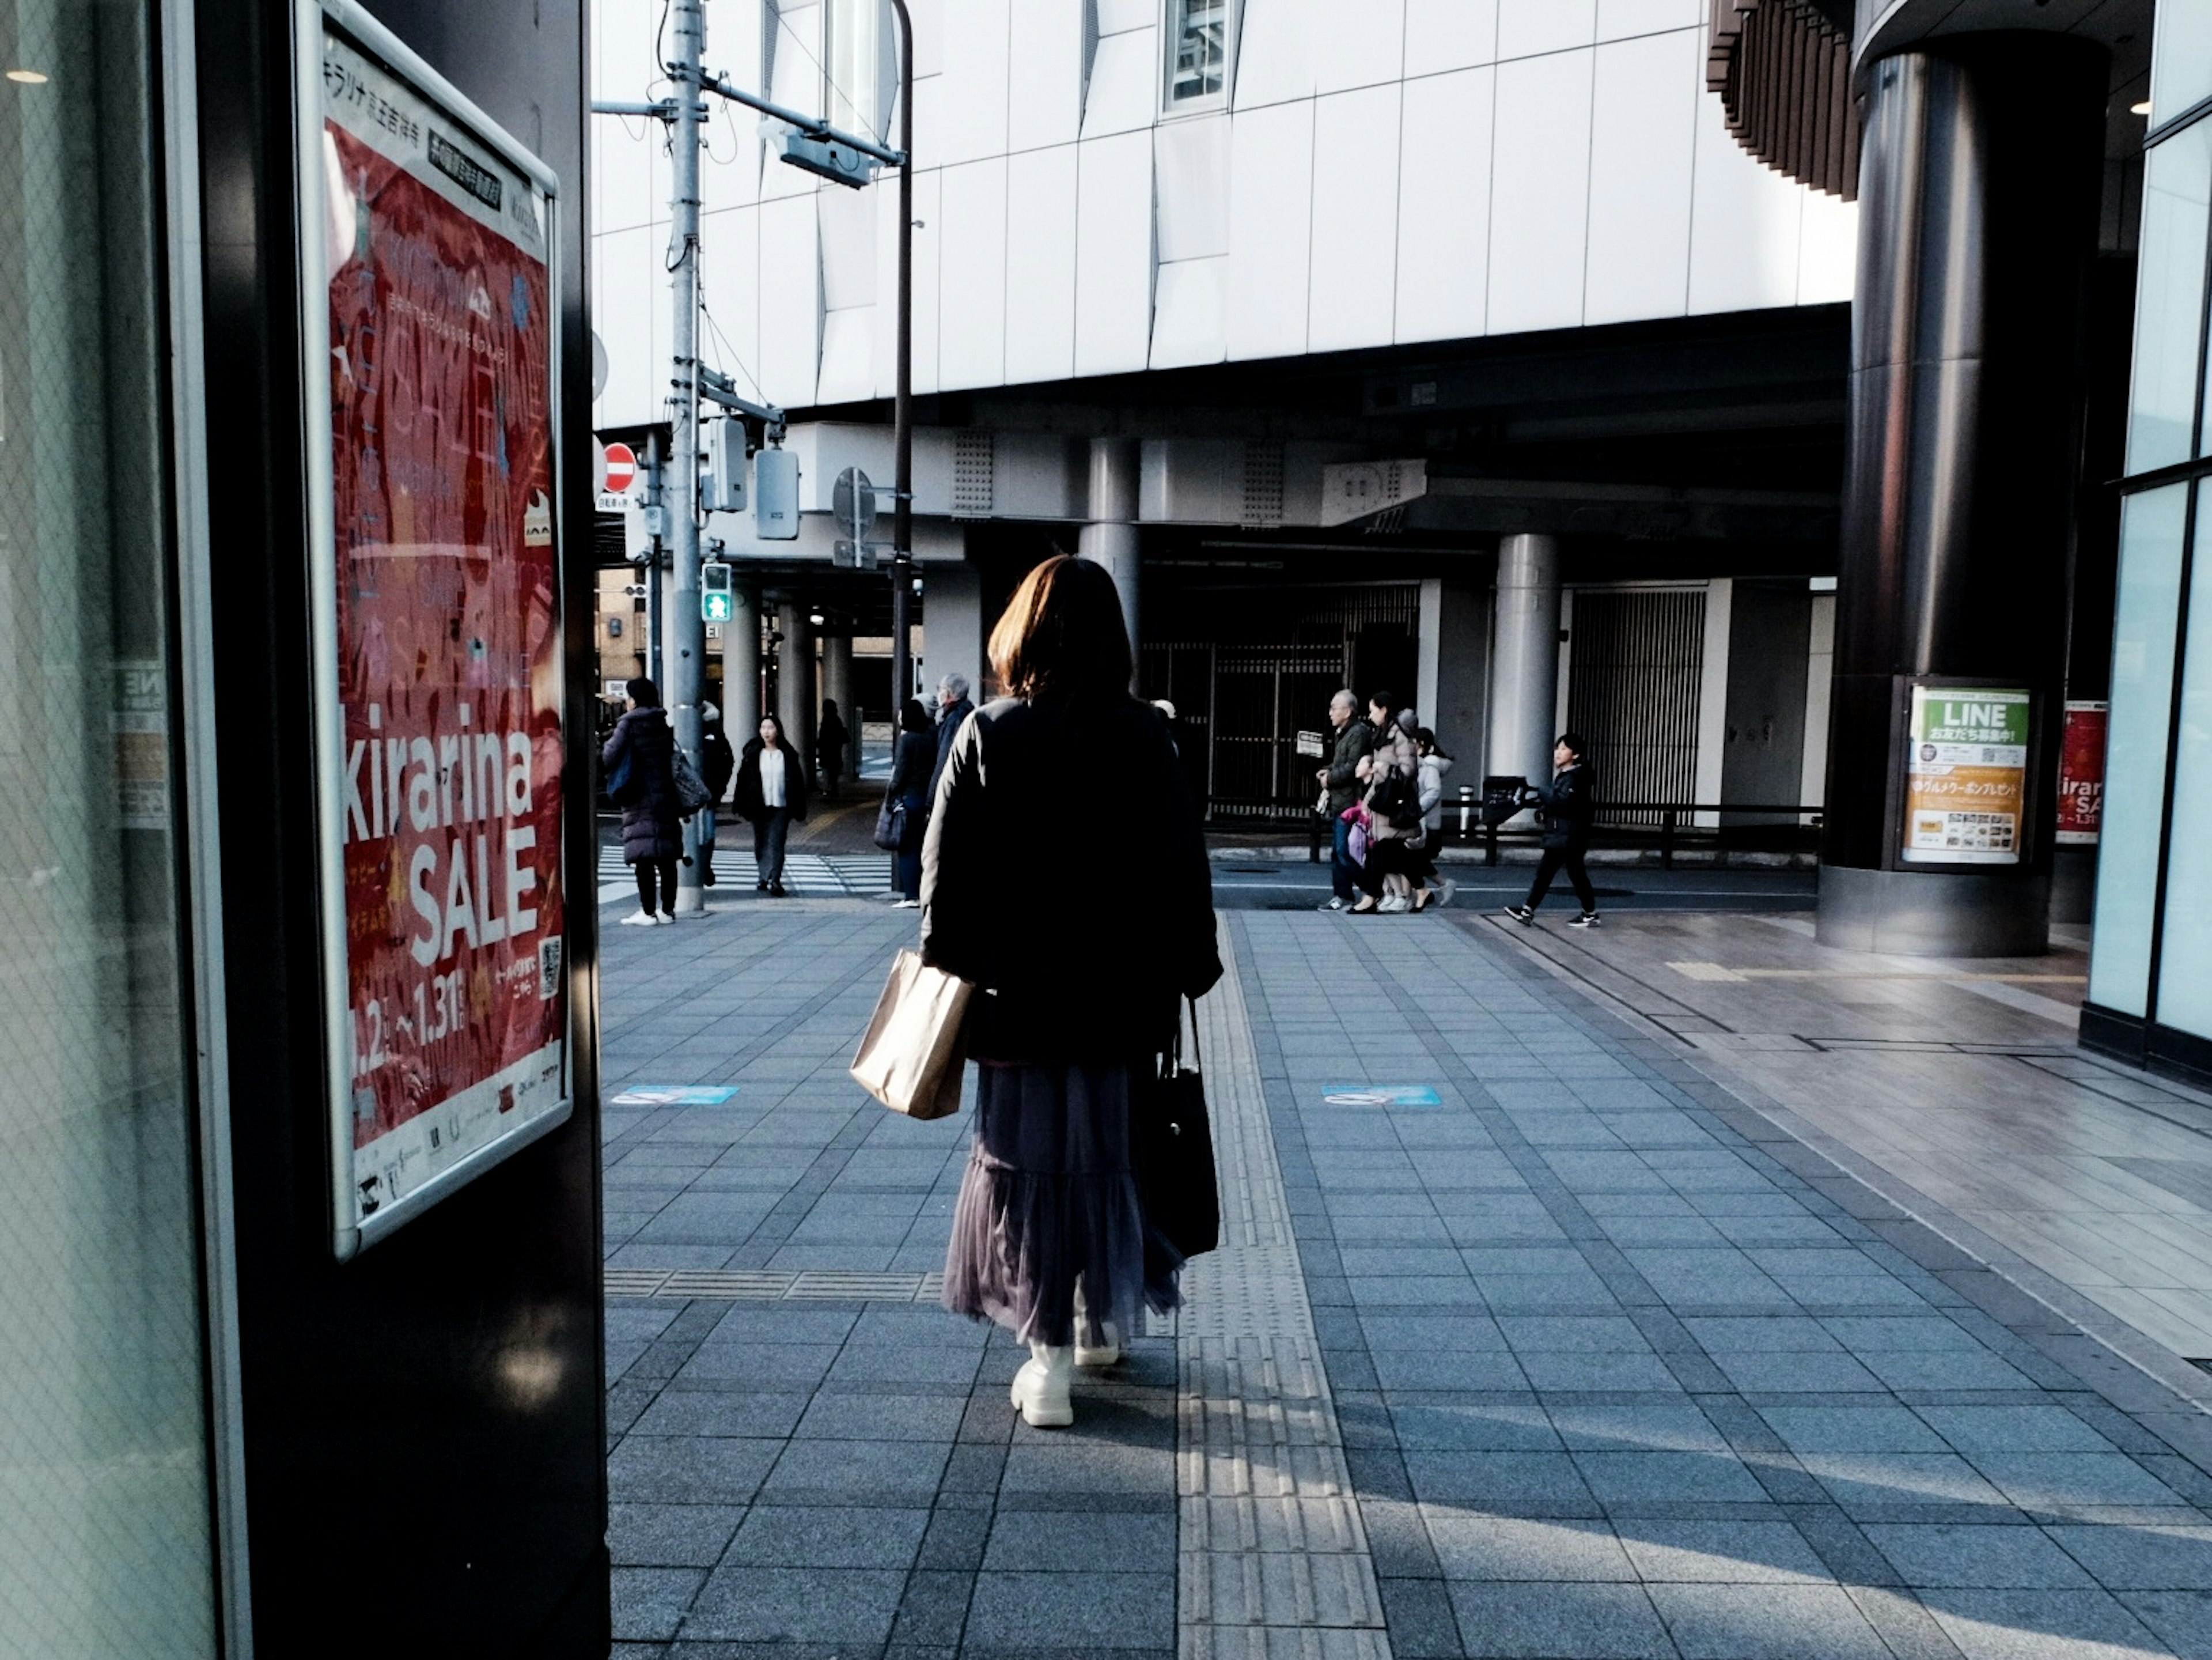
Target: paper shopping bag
[[917, 1045]]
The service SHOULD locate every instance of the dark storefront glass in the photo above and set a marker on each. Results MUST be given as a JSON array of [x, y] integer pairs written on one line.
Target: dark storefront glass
[[105, 1532]]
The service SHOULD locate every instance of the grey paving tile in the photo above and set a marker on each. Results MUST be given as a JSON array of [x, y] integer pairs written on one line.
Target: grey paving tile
[[2016, 1557], [1876, 1428], [1444, 1422], [722, 1412], [896, 1473], [688, 1469], [1878, 1479], [1561, 1370], [1767, 1622], [1420, 1620], [828, 1536], [2041, 1625], [1476, 1479], [1543, 1621], [1762, 1335], [1079, 1610], [2057, 1481], [670, 1536], [1795, 1370], [875, 1417], [839, 1606], [2142, 1557], [1075, 1541], [1446, 1369], [2023, 1428], [2182, 1619], [1067, 1468], [1722, 1553], [1621, 1478], [766, 1366], [649, 1603], [1433, 1333], [1504, 1548], [1573, 1333], [1648, 1426]]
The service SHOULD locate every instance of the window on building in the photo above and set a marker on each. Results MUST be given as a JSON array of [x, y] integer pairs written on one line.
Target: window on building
[[1200, 37]]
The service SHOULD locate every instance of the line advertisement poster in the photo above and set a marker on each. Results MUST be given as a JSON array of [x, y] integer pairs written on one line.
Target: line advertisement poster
[[1965, 791], [449, 672]]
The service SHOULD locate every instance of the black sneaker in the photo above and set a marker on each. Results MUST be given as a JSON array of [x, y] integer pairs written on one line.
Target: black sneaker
[[775, 891], [1589, 919], [1520, 914], [760, 887]]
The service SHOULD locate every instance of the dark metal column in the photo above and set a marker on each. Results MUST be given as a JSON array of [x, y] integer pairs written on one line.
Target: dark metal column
[[1979, 193]]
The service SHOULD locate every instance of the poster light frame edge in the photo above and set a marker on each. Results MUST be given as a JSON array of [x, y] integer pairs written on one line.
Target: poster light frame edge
[[311, 18]]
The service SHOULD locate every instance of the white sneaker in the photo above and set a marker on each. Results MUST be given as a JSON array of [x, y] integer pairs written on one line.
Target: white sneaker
[[907, 904], [642, 919], [1040, 1388], [1444, 889], [1393, 905], [666, 919]]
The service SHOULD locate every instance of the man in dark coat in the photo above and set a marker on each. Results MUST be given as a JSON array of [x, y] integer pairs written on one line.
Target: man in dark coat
[[1340, 779], [652, 836], [954, 706], [1568, 809], [716, 762]]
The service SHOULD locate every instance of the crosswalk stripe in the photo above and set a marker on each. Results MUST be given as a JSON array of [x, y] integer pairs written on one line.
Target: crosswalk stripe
[[810, 875]]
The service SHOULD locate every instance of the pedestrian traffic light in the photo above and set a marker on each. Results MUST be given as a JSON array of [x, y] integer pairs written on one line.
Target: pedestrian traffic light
[[715, 599]]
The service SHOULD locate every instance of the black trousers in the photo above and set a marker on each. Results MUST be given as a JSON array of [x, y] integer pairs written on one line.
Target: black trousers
[[1555, 859], [647, 871]]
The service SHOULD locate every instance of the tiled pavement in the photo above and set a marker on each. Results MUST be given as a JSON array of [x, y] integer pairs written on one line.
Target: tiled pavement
[[1613, 1366]]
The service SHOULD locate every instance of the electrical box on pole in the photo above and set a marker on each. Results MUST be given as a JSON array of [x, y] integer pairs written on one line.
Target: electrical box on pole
[[775, 495], [722, 478], [716, 602], [839, 163]]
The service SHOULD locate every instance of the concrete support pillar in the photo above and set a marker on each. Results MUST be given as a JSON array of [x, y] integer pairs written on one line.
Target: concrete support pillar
[[795, 704], [1524, 664], [953, 628], [741, 663], [837, 684], [1980, 179], [1110, 537]]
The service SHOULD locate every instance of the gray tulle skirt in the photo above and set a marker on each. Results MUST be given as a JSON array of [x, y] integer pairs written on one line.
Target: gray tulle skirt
[[1050, 1198]]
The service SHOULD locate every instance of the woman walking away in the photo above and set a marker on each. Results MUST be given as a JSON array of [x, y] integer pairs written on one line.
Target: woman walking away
[[771, 792], [1078, 989], [830, 739], [1428, 888], [717, 762], [916, 759], [652, 839]]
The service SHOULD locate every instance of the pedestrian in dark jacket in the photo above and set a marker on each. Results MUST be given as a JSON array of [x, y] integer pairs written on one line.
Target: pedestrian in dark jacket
[[954, 706], [1342, 785], [913, 761], [716, 764], [1079, 988], [771, 792], [1569, 808], [652, 836], [831, 741]]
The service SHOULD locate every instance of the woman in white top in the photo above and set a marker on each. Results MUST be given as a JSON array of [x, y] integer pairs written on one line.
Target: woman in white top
[[771, 792]]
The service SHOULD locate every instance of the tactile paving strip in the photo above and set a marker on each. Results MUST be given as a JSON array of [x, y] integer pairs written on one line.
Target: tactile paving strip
[[1272, 1562], [745, 1285]]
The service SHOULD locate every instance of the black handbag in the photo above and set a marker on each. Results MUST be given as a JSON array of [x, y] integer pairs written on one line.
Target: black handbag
[[891, 825], [1174, 1152]]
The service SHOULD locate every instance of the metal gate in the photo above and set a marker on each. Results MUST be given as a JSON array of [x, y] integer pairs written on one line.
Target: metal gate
[[1636, 668]]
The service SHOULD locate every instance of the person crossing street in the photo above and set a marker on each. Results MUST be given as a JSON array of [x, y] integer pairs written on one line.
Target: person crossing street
[[1568, 808]]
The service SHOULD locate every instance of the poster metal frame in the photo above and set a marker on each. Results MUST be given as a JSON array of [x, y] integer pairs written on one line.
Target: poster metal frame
[[312, 19]]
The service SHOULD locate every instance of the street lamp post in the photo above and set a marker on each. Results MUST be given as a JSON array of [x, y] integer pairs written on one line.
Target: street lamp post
[[902, 399]]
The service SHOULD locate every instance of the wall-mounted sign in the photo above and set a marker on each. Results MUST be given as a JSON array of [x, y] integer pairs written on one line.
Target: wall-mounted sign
[[435, 574], [1966, 784], [2082, 775]]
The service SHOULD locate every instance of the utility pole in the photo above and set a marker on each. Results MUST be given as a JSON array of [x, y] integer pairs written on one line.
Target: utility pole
[[685, 641], [903, 401]]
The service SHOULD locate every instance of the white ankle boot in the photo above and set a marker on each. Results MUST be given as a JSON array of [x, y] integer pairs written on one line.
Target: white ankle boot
[[1109, 1351], [1040, 1388]]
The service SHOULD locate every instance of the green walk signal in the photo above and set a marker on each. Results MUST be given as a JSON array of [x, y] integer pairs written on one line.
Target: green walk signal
[[716, 602]]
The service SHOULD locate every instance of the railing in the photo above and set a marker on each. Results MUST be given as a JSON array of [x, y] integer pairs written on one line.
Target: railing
[[1463, 822]]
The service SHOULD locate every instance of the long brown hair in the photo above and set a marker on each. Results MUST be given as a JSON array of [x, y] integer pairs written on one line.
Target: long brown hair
[[1062, 632]]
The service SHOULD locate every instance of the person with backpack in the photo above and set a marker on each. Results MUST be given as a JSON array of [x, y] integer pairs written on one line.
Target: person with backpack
[[1569, 808], [1391, 770], [639, 765], [716, 762], [771, 792]]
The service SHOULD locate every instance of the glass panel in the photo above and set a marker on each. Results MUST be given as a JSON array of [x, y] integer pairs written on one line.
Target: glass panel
[[2169, 299], [2184, 963], [852, 63], [2180, 58], [1198, 49], [104, 1498], [2135, 750]]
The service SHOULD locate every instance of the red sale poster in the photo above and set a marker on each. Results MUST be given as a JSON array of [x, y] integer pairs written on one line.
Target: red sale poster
[[2081, 773], [447, 632]]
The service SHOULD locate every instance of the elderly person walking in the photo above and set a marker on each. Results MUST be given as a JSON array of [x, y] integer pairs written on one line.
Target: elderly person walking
[[954, 706], [1077, 997], [1340, 786]]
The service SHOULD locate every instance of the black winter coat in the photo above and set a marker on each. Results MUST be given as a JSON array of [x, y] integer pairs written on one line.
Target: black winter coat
[[1568, 807], [1064, 872], [1355, 740], [716, 760], [752, 799], [649, 825], [911, 763], [831, 741], [949, 722]]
